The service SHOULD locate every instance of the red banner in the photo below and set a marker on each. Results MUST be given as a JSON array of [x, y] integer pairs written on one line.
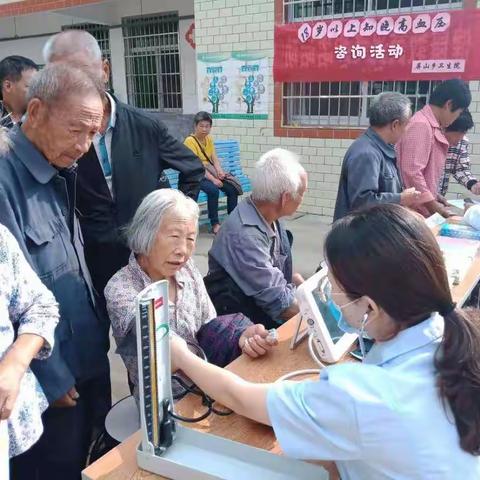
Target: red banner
[[423, 46]]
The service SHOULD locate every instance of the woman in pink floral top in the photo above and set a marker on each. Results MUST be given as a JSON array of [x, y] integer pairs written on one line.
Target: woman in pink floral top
[[162, 238]]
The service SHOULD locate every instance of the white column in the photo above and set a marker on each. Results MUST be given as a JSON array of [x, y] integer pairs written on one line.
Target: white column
[[188, 68], [117, 52]]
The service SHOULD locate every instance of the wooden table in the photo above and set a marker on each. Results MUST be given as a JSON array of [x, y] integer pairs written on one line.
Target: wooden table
[[461, 292], [121, 463]]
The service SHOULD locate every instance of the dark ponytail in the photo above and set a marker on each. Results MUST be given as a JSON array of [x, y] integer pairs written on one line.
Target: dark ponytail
[[389, 254], [458, 366]]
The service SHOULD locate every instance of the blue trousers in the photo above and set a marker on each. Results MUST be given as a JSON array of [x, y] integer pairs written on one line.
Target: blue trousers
[[213, 192]]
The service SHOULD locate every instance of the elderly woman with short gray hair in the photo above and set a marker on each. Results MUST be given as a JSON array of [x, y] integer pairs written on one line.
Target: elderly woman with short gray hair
[[162, 238], [369, 170]]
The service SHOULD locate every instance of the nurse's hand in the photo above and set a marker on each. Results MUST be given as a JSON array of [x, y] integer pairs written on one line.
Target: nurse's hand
[[256, 341], [178, 350]]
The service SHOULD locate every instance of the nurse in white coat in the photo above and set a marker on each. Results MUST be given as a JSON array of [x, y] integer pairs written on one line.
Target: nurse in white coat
[[411, 410]]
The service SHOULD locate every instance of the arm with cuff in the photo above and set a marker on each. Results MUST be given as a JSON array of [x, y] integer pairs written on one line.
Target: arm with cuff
[[313, 420]]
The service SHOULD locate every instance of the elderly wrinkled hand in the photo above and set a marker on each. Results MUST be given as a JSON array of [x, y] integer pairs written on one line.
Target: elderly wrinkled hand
[[297, 279], [69, 400], [11, 374], [256, 341]]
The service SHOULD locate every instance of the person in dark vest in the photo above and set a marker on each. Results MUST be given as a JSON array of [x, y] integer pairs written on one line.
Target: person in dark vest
[[125, 163]]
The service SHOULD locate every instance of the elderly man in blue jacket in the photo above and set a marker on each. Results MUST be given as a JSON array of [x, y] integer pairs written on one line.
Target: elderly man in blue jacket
[[37, 195], [369, 170]]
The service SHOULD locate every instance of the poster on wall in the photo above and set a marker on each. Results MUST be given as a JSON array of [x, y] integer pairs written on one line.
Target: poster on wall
[[233, 85], [414, 46]]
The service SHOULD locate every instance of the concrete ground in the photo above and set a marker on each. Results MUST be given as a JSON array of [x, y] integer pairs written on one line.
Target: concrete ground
[[308, 231]]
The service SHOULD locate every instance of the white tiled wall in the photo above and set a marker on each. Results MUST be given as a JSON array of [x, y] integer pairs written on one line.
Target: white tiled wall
[[230, 25]]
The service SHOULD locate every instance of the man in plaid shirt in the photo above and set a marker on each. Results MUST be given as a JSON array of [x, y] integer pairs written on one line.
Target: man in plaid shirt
[[458, 160]]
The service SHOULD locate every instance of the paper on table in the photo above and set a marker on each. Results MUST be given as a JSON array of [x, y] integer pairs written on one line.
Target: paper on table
[[457, 203], [458, 254], [435, 220]]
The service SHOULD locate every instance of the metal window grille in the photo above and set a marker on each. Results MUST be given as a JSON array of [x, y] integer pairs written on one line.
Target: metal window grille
[[345, 104], [299, 10], [101, 34], [152, 61]]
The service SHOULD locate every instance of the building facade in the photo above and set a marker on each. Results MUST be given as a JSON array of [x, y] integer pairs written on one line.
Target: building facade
[[149, 45], [157, 49], [317, 120]]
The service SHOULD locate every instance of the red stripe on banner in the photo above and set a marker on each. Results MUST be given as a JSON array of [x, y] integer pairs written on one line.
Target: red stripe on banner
[[159, 302], [418, 46]]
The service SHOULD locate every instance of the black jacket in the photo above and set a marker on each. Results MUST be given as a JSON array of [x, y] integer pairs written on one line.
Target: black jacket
[[141, 150]]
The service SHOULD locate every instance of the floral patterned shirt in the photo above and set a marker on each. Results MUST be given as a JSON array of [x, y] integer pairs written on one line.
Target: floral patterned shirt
[[27, 306], [193, 308]]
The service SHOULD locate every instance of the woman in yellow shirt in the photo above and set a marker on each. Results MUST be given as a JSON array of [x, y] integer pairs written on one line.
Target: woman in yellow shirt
[[201, 144]]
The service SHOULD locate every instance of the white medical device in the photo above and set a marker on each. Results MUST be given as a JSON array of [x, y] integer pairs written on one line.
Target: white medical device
[[329, 341], [181, 453]]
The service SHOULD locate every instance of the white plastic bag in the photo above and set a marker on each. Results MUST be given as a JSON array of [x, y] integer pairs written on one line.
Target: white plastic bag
[[472, 217]]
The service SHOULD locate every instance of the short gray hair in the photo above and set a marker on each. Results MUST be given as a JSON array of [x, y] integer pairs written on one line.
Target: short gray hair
[[387, 107], [70, 42], [143, 229], [277, 172], [58, 81]]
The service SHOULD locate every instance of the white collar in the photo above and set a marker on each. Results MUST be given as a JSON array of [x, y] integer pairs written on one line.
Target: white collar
[[113, 111], [417, 336]]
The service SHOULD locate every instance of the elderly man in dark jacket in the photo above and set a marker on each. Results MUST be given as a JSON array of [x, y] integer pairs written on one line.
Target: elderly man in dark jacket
[[125, 163], [37, 198], [369, 171]]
